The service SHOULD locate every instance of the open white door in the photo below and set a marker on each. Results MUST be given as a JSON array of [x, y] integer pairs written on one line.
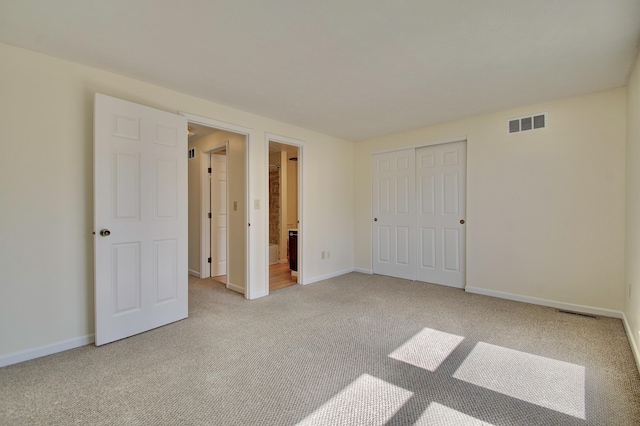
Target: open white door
[[140, 202]]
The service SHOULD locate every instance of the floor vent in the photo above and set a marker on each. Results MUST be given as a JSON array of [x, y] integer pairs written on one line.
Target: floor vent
[[523, 124], [580, 314]]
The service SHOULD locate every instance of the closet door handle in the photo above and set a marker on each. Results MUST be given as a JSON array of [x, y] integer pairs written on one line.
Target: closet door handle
[[375, 219]]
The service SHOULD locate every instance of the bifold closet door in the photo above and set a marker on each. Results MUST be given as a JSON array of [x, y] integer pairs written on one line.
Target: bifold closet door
[[441, 194], [394, 218]]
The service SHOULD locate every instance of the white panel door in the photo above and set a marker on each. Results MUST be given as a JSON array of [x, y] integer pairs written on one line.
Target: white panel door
[[394, 220], [140, 213], [218, 215], [441, 180]]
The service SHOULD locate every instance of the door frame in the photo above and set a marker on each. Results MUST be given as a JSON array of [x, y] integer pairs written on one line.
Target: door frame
[[271, 137], [205, 196], [416, 147]]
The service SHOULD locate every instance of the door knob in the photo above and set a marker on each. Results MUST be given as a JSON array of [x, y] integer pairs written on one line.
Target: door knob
[[375, 219], [461, 221], [105, 232]]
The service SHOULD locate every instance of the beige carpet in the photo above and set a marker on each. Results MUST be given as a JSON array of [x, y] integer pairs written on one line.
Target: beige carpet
[[356, 349]]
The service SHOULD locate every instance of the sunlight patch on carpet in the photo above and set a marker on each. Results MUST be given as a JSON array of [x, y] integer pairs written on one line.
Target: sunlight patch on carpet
[[441, 415], [427, 349], [545, 382], [366, 401]]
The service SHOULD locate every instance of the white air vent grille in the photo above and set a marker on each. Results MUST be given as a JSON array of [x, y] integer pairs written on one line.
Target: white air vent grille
[[523, 124]]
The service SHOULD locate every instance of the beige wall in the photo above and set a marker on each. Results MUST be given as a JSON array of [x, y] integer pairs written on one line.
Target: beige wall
[[632, 263], [46, 195], [545, 209], [194, 211]]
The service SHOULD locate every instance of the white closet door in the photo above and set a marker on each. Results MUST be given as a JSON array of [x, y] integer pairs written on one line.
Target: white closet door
[[441, 194], [140, 213], [394, 226]]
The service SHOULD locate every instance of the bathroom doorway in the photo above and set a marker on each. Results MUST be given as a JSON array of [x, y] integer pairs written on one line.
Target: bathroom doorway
[[284, 206]]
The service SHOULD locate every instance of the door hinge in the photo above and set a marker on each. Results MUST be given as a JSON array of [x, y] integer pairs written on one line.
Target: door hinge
[[209, 170], [209, 260], [209, 215]]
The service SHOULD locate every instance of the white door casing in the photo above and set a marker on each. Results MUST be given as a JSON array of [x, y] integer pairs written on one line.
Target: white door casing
[[441, 182], [394, 219], [218, 184], [140, 197]]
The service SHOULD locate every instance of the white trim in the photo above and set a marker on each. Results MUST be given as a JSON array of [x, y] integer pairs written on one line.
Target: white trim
[[248, 134], [545, 302], [260, 294], [235, 288], [194, 273], [363, 271], [421, 145], [50, 349], [632, 340], [210, 122], [268, 137], [328, 276]]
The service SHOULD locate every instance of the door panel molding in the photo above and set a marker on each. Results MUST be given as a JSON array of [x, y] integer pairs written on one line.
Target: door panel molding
[[140, 218]]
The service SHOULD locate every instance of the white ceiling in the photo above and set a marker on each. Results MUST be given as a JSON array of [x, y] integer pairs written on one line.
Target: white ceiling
[[348, 68]]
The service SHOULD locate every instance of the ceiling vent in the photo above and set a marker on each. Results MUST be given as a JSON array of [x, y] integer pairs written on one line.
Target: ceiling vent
[[523, 124]]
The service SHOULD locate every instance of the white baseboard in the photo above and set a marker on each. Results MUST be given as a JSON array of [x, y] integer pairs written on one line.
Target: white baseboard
[[363, 271], [41, 351], [632, 340], [545, 302], [235, 288], [327, 276], [194, 273]]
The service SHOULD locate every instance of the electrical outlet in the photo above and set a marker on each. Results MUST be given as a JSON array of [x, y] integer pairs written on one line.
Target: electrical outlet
[[322, 254], [328, 255]]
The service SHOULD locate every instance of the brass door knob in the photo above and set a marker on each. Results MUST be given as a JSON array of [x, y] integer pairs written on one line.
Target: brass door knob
[[105, 232], [375, 219], [461, 221]]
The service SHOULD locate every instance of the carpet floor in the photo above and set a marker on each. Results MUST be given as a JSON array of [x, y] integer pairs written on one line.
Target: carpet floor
[[356, 349]]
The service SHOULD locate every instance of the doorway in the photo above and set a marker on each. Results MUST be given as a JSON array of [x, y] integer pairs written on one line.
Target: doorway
[[284, 234], [218, 237]]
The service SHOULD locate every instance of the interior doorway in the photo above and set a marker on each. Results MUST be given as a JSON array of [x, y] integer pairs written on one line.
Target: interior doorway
[[284, 173], [218, 237]]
